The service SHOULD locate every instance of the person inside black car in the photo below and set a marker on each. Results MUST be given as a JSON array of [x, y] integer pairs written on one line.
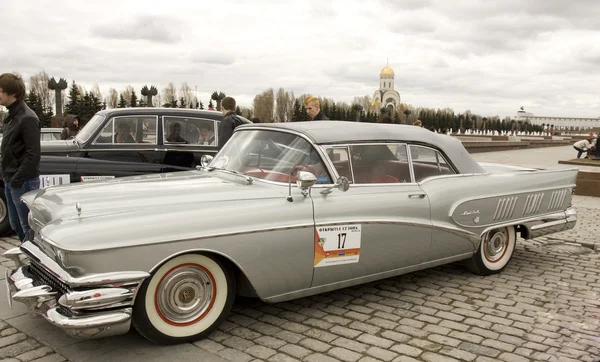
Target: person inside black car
[[175, 133], [123, 135]]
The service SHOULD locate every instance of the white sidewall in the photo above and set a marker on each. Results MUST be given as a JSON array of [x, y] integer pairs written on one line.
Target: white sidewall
[[209, 319], [507, 255]]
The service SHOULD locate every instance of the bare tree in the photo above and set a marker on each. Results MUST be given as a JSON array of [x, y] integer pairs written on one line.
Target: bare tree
[[290, 105], [282, 103], [169, 93], [127, 92], [113, 98], [364, 101], [96, 91], [38, 83], [187, 93], [264, 105]]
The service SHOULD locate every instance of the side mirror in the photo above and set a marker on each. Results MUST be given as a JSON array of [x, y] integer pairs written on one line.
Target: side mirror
[[342, 184], [206, 160], [305, 180]]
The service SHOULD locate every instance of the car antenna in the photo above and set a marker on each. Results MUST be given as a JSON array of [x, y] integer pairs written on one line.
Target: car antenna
[[289, 198]]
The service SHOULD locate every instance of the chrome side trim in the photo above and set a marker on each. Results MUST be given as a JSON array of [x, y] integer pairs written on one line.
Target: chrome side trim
[[361, 280], [505, 208], [14, 255], [34, 252], [95, 298]]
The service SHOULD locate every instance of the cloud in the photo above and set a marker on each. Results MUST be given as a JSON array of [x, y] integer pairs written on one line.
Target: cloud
[[160, 29]]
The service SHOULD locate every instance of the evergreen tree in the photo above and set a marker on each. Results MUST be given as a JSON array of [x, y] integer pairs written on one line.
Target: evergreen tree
[[122, 102], [73, 106], [44, 114], [200, 105], [182, 103], [133, 102], [210, 105]]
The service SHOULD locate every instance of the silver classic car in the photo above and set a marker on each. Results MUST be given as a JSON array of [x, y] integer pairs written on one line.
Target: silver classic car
[[282, 211]]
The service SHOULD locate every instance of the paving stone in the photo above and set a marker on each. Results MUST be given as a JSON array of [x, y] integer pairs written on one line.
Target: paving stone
[[315, 345], [458, 353], [434, 357], [405, 349], [234, 355], [295, 351], [280, 357], [50, 358], [261, 352], [479, 350], [343, 354]]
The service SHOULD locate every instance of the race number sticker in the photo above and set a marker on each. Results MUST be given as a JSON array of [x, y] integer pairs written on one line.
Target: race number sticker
[[336, 245]]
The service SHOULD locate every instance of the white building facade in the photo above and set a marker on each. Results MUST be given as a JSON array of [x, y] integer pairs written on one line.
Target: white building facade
[[386, 96], [559, 123]]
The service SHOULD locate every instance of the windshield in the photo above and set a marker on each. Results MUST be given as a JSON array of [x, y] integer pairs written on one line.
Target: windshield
[[90, 128], [270, 155]]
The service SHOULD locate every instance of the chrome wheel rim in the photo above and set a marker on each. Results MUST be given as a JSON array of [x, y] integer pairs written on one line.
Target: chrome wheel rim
[[185, 294], [495, 245]]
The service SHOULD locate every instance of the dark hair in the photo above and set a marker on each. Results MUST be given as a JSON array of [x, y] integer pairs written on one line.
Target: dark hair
[[255, 120], [13, 85], [228, 103]]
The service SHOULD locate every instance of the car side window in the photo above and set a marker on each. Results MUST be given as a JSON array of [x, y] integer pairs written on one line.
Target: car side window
[[380, 163], [427, 162], [124, 130], [190, 131], [340, 158]]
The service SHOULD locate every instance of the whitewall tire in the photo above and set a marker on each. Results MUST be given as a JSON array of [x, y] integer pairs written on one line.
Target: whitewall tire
[[495, 251], [184, 299]]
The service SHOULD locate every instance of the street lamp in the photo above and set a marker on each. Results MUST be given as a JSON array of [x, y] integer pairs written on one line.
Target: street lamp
[[407, 112]]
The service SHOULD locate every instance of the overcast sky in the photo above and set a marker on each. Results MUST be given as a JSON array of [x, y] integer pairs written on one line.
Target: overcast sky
[[490, 57]]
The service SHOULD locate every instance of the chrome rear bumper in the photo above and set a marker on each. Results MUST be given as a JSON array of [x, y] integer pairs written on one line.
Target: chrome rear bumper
[[550, 224], [90, 307]]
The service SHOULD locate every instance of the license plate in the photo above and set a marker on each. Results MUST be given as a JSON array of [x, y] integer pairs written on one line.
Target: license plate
[[8, 290]]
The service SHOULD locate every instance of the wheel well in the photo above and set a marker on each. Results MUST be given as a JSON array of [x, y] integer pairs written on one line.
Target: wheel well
[[522, 230], [243, 285]]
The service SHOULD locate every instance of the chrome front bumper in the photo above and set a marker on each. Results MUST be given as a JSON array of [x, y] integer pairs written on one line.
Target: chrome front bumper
[[93, 306], [550, 224]]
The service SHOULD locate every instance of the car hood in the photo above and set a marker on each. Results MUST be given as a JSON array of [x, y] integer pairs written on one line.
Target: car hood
[[59, 146], [72, 216]]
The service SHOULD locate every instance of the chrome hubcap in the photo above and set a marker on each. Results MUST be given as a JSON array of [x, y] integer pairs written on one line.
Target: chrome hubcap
[[495, 245], [185, 294]]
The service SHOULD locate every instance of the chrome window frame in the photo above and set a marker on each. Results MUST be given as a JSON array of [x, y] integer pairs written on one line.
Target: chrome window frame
[[215, 128], [111, 119], [409, 160], [438, 153]]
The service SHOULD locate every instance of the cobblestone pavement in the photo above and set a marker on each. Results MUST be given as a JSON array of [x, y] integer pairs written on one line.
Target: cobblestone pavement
[[544, 307]]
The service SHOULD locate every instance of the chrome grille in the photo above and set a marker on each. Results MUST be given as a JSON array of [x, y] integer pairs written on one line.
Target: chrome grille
[[505, 208], [533, 203], [557, 199], [43, 277]]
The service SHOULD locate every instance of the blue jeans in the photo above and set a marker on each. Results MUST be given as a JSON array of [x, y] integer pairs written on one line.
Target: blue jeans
[[579, 151], [17, 210]]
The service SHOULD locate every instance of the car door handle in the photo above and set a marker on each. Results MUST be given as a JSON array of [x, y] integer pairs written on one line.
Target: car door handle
[[416, 196]]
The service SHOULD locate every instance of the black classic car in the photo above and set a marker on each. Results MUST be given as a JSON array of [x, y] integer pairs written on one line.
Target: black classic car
[[127, 142]]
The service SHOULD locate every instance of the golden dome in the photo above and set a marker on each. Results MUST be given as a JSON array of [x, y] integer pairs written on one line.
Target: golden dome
[[387, 71]]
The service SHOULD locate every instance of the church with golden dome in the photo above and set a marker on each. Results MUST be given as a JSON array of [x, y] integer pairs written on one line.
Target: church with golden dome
[[386, 96]]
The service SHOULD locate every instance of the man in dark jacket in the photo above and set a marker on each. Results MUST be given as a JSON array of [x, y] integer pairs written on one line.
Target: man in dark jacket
[[229, 122], [20, 151], [313, 108]]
